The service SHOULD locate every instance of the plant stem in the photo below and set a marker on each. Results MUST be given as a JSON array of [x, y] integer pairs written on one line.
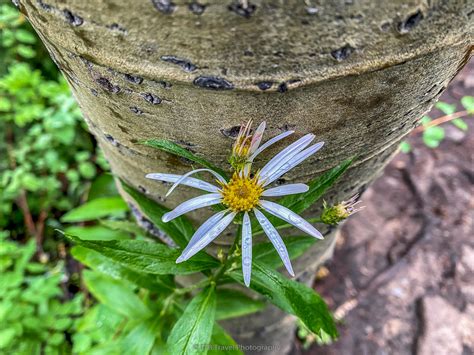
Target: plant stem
[[441, 120], [230, 257]]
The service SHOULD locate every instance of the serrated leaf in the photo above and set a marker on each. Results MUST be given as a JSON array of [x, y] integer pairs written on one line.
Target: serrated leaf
[[96, 209], [195, 326], [173, 148], [468, 103], [461, 124], [317, 187], [447, 109], [148, 257], [265, 252], [180, 230], [116, 295], [232, 304], [291, 296], [100, 263]]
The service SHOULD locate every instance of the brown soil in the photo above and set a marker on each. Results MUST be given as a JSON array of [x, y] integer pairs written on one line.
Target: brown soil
[[402, 277]]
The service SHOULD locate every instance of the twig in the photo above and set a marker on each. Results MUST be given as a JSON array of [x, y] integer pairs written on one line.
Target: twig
[[34, 230], [440, 120], [22, 202]]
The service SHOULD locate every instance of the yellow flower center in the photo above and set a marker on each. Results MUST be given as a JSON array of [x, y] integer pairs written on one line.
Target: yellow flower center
[[241, 193]]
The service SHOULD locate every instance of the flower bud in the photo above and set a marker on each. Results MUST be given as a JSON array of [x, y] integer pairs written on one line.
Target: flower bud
[[334, 214]]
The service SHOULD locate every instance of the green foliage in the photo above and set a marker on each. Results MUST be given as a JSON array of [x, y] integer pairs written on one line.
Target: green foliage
[[232, 304], [290, 296], [296, 246], [137, 270], [33, 315], [148, 257], [48, 155], [405, 147], [134, 303], [180, 230], [97, 208], [194, 327], [468, 103], [116, 294], [308, 338], [300, 202], [433, 134]]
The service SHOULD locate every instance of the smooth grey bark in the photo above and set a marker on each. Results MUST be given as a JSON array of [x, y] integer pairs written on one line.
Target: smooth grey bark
[[358, 74]]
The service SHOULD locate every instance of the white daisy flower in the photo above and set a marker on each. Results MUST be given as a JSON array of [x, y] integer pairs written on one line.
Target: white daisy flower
[[246, 194]]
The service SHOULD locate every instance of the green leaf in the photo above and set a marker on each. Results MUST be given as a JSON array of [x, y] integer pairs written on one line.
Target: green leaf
[[141, 338], [25, 36], [125, 226], [405, 147], [95, 209], [116, 295], [224, 343], [96, 233], [265, 252], [180, 230], [195, 326], [5, 104], [432, 136], [175, 149], [232, 304], [468, 103], [98, 262], [25, 51], [87, 169], [103, 186], [447, 109], [7, 336], [291, 296], [151, 258], [461, 124], [317, 187]]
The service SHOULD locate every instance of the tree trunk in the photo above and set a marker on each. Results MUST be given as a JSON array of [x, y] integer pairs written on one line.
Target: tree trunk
[[358, 74]]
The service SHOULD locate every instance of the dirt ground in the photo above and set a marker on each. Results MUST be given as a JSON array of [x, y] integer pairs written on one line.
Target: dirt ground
[[402, 277]]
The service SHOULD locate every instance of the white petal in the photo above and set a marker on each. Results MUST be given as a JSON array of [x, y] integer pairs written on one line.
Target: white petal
[[257, 137], [189, 181], [283, 190], [205, 227], [276, 240], [290, 217], [285, 155], [246, 249], [185, 176], [192, 204], [206, 238], [288, 165], [269, 143]]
